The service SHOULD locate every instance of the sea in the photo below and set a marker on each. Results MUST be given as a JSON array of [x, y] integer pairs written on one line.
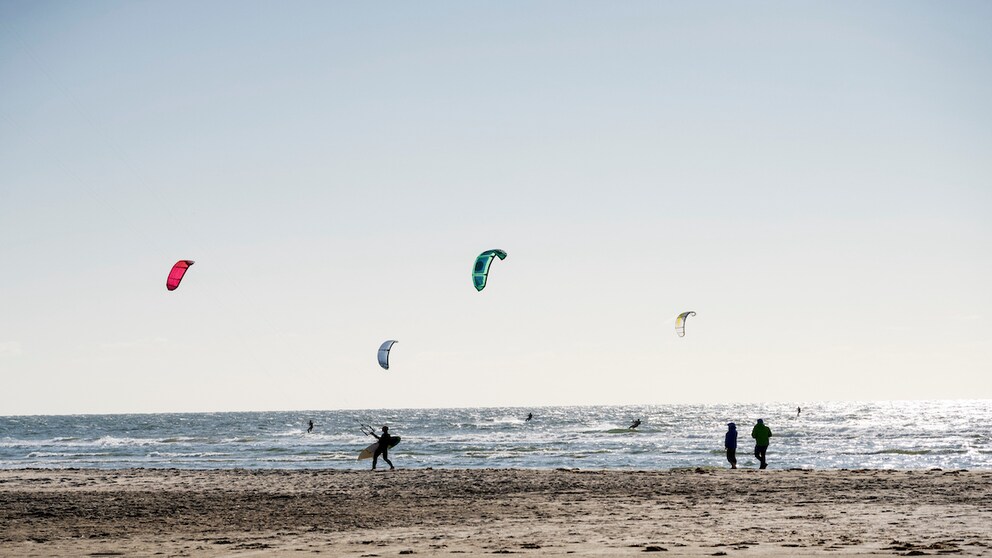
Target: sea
[[827, 435]]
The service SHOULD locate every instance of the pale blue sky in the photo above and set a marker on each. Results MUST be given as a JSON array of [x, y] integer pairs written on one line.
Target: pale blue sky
[[814, 179]]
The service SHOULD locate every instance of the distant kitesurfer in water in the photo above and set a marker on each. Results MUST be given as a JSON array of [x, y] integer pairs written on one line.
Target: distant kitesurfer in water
[[730, 443], [798, 410], [529, 416], [310, 428], [761, 434], [383, 448], [635, 424]]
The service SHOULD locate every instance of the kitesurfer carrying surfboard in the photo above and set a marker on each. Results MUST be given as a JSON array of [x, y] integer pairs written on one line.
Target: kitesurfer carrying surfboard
[[385, 440]]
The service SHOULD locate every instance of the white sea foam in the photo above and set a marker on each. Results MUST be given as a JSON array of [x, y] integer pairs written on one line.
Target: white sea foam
[[900, 435]]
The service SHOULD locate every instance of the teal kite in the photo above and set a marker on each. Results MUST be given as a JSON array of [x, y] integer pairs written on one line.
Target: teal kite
[[481, 270]]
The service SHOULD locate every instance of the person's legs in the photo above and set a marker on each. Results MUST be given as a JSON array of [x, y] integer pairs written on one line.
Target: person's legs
[[375, 456], [759, 452], [385, 457], [732, 457]]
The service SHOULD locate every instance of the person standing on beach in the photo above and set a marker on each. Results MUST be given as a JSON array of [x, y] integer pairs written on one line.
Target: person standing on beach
[[761, 434], [383, 448], [730, 442]]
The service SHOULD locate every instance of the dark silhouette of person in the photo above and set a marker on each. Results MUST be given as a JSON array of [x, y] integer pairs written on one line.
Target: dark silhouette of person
[[730, 442], [761, 434], [635, 424], [383, 448], [798, 410], [529, 416], [310, 428]]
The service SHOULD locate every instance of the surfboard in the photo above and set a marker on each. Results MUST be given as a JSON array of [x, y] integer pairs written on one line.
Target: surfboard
[[368, 452]]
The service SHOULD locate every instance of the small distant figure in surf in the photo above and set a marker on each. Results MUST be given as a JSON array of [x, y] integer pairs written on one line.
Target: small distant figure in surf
[[310, 428], [635, 424], [798, 410], [529, 416], [761, 434], [383, 448], [730, 443]]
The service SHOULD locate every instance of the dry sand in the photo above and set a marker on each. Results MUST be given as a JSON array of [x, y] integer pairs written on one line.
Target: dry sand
[[421, 512]]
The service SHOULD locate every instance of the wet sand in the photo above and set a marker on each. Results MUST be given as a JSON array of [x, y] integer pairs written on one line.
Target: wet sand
[[693, 512]]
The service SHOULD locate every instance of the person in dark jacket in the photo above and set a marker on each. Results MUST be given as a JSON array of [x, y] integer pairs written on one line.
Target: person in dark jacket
[[383, 448], [730, 442], [761, 434]]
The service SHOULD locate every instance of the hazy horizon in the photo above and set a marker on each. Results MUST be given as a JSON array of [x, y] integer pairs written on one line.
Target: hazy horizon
[[785, 407]]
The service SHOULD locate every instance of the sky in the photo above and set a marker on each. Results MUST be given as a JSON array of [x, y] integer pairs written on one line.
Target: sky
[[813, 179]]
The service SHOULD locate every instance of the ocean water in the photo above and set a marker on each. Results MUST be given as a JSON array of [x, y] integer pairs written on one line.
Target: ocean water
[[886, 435]]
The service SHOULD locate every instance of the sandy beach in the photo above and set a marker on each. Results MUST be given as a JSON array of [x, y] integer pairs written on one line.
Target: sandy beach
[[691, 512]]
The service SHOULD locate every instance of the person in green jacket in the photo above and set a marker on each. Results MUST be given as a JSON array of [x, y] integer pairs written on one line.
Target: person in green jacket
[[761, 434]]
